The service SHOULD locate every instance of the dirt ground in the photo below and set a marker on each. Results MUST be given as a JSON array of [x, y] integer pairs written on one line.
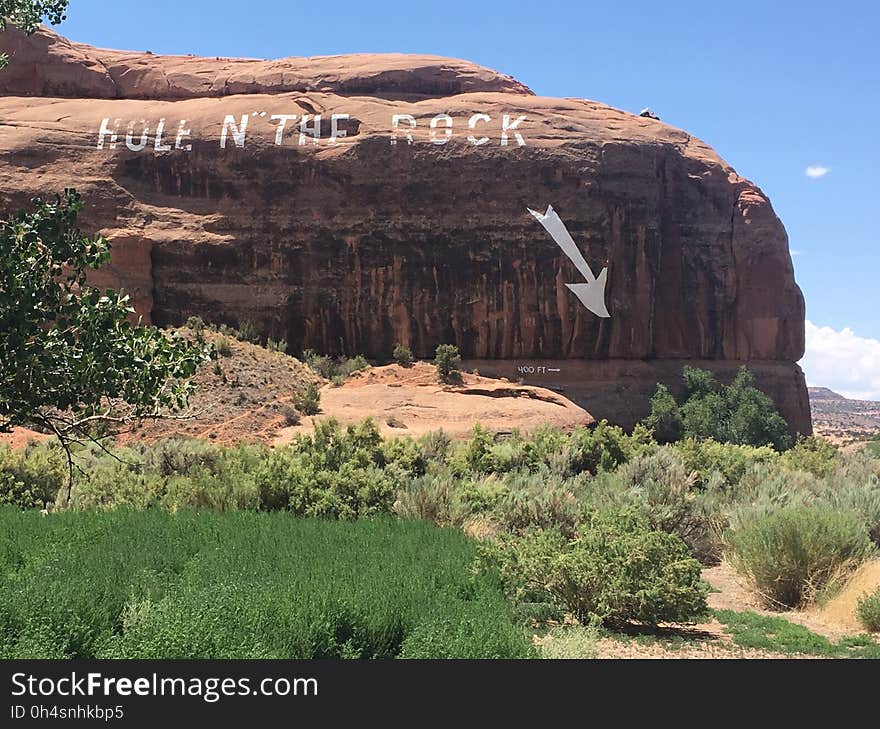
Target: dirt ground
[[20, 437], [835, 619], [246, 396], [409, 401]]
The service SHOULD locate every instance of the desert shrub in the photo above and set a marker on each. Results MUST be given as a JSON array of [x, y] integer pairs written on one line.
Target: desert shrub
[[115, 484], [659, 486], [614, 571], [540, 500], [347, 366], [603, 447], [860, 498], [868, 610], [402, 355], [731, 461], [334, 368], [813, 455], [737, 413], [793, 553], [149, 584], [332, 473], [764, 490], [434, 498], [247, 332], [172, 474], [291, 415], [544, 445], [404, 458], [31, 478], [448, 362], [436, 446], [276, 345], [229, 489], [222, 345], [481, 493], [858, 465], [322, 364], [175, 456], [308, 399], [195, 324], [473, 456]]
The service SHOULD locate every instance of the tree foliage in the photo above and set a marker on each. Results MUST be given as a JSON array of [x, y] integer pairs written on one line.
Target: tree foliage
[[70, 359], [736, 413], [447, 359], [27, 14]]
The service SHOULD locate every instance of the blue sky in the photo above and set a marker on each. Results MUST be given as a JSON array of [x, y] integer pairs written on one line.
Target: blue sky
[[774, 87]]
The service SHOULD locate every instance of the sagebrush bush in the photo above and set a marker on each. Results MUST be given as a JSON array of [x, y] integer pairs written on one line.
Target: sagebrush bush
[[860, 498], [814, 455], [247, 332], [436, 446], [279, 345], [31, 478], [172, 474], [792, 554], [222, 346], [308, 399], [614, 571], [538, 500], [731, 461], [335, 369], [434, 498], [868, 611], [291, 415], [659, 486]]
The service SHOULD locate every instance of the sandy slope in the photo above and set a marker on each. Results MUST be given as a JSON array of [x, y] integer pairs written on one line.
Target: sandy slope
[[407, 401]]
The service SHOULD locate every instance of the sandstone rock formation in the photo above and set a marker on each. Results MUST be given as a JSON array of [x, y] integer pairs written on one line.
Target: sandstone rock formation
[[349, 242]]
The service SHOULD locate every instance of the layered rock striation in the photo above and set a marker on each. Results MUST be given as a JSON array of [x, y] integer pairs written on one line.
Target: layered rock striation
[[401, 215]]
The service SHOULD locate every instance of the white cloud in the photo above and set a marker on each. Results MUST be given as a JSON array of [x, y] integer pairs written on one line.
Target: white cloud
[[842, 361], [816, 171], [795, 252]]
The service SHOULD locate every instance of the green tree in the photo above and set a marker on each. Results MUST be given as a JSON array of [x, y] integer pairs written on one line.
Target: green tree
[[70, 359], [665, 418], [402, 355], [27, 14], [753, 419], [448, 362], [737, 413]]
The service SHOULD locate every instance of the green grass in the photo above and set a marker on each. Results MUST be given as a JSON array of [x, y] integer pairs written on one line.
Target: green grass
[[778, 635], [149, 584]]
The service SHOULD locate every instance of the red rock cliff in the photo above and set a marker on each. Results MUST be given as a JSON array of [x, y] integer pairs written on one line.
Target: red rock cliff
[[354, 243]]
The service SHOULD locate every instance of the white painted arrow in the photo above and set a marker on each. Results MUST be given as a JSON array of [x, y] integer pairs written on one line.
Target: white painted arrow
[[590, 294]]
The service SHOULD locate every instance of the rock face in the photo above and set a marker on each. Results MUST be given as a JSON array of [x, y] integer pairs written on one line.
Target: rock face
[[356, 239]]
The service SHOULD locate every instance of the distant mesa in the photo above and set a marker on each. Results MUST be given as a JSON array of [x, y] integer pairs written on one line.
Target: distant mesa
[[823, 393]]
